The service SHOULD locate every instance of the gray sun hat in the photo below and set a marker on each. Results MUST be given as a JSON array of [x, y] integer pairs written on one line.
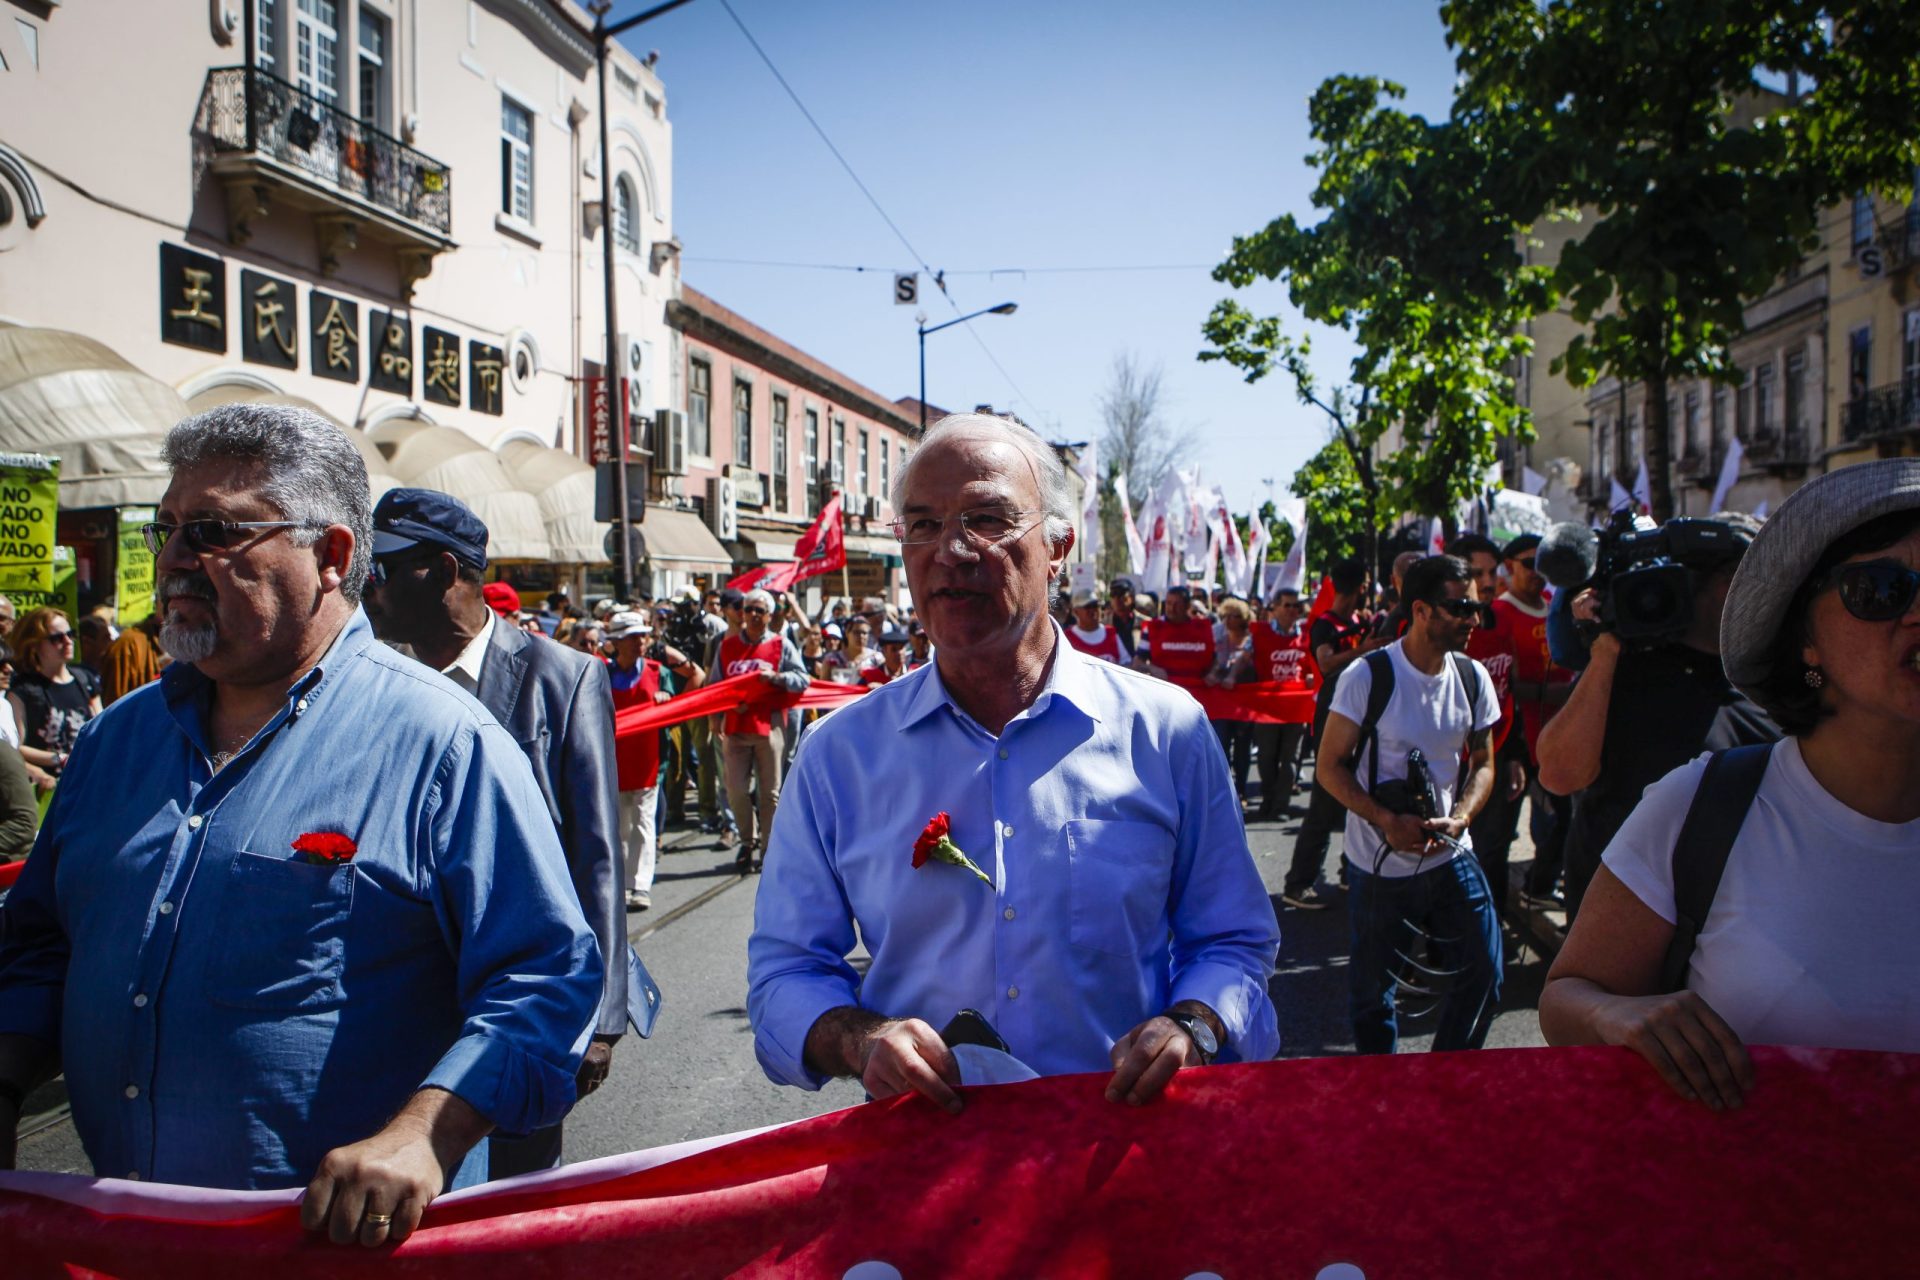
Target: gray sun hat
[[1787, 547]]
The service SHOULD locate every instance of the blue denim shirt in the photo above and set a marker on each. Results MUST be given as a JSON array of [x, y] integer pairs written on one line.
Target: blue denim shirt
[[227, 1012], [1122, 881]]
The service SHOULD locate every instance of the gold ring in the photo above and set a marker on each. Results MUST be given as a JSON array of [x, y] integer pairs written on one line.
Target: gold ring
[[379, 1219]]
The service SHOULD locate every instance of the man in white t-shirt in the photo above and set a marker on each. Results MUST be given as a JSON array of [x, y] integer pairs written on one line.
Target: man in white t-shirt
[[1408, 874]]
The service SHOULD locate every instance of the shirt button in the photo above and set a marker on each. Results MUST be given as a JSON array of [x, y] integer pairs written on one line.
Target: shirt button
[[195, 821], [140, 1001], [1008, 913], [1003, 753], [1013, 993], [133, 1091], [1006, 829], [166, 908], [299, 706]]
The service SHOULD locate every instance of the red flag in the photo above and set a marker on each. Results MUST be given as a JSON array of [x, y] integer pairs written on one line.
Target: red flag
[[1322, 600], [821, 549]]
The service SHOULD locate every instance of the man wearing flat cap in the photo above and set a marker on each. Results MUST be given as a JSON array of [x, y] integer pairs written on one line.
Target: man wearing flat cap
[[427, 591]]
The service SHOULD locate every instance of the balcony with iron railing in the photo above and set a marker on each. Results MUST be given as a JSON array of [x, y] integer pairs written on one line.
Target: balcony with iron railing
[[1778, 447], [1882, 413], [275, 143]]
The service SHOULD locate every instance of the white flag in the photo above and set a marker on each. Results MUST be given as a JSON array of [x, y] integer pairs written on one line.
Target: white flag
[[1618, 497], [1257, 558], [1158, 570], [1642, 489], [1089, 469], [1729, 473], [1238, 579], [1437, 538], [1532, 481], [1136, 546], [1295, 566], [1210, 567]]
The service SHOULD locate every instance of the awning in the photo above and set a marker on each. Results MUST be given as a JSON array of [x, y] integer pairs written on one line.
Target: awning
[[682, 539], [68, 395], [563, 485], [768, 546], [433, 457], [378, 477], [887, 548]]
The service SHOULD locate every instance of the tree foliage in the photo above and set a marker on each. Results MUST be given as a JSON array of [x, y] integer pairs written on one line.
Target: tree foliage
[[1341, 520]]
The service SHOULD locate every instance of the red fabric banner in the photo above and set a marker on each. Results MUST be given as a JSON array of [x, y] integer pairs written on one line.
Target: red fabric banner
[[10, 871], [821, 549], [727, 695], [1264, 702], [1519, 1162]]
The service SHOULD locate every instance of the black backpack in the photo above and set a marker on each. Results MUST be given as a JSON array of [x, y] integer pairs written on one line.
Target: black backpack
[[1713, 822], [1380, 693]]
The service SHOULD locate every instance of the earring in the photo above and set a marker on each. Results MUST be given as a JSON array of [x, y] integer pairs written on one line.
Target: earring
[[1814, 677]]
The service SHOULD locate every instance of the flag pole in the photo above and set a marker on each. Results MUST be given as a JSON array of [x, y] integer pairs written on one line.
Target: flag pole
[[845, 589]]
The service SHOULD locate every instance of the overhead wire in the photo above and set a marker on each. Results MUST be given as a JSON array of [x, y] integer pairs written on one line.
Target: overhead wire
[[875, 202], [964, 271]]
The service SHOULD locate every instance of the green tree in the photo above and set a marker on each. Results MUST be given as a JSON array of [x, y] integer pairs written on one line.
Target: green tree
[[1700, 188], [1341, 521], [1415, 261]]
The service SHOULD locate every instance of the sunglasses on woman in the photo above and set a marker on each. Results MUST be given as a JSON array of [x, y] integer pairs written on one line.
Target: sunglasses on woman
[[203, 536], [1873, 590]]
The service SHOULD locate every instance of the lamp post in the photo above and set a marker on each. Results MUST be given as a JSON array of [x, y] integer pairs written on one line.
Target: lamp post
[[603, 35], [1004, 309]]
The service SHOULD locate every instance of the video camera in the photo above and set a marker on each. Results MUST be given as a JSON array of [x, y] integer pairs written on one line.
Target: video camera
[[686, 632], [1644, 577]]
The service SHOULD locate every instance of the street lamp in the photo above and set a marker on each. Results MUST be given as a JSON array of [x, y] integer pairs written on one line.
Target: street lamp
[[603, 35], [1004, 309]]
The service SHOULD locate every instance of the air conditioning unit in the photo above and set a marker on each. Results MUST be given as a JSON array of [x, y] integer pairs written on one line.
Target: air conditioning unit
[[632, 358], [723, 509], [670, 442]]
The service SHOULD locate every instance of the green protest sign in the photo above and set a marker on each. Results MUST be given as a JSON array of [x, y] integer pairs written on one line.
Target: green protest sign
[[133, 568], [65, 595], [29, 497]]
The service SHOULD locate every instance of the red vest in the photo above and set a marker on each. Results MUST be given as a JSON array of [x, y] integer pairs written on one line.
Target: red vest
[[878, 675], [738, 658], [1281, 658], [1108, 649], [637, 756], [1184, 650]]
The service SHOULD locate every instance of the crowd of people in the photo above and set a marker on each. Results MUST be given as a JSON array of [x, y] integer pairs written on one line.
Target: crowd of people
[[380, 801]]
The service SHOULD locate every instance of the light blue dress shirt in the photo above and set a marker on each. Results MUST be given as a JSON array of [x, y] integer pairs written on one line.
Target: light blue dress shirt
[[227, 1012], [1122, 881]]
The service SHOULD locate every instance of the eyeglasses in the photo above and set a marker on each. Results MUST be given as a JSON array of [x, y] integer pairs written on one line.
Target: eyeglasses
[[757, 608], [210, 535], [982, 527], [1873, 590], [59, 637], [1464, 608]]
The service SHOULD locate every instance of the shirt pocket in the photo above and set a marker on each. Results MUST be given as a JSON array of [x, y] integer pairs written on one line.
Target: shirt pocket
[[282, 939], [1118, 876]]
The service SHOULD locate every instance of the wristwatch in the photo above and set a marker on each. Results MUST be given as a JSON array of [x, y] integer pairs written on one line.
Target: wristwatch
[[1199, 1032]]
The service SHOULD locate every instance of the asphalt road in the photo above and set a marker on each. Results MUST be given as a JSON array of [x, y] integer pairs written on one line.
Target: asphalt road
[[697, 1076]]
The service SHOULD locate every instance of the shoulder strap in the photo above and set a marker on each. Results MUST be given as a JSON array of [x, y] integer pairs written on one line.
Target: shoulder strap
[[1713, 822], [1469, 673], [1379, 694]]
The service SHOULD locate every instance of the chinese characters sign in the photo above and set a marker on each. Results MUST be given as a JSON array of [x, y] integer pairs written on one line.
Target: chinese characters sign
[[392, 365], [272, 320], [336, 337], [484, 364], [193, 299], [440, 366]]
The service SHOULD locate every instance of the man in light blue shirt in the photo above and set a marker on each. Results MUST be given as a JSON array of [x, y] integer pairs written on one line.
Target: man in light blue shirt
[[1124, 927], [298, 914]]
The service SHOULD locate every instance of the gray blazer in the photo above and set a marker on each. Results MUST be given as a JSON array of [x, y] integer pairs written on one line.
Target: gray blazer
[[558, 705]]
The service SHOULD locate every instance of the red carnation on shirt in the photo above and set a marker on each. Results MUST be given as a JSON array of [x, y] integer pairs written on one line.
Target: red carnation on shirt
[[936, 842], [326, 848]]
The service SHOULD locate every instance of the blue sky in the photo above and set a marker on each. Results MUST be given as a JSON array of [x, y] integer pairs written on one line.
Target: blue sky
[[1021, 135]]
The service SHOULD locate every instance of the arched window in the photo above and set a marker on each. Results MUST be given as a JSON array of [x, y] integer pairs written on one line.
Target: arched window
[[626, 222]]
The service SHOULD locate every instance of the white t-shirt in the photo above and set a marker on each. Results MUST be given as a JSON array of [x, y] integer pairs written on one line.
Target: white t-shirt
[[1433, 713], [1810, 940]]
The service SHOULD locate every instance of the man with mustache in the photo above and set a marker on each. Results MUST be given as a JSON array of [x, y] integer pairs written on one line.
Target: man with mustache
[[1116, 920], [293, 943]]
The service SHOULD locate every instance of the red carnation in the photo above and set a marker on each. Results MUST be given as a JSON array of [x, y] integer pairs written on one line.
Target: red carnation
[[936, 842], [325, 848]]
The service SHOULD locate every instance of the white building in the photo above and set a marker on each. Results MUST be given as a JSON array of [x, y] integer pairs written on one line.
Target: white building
[[387, 209]]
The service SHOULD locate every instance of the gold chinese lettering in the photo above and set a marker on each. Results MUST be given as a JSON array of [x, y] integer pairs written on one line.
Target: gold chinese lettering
[[267, 310], [339, 335], [443, 368], [486, 371], [391, 358], [197, 295]]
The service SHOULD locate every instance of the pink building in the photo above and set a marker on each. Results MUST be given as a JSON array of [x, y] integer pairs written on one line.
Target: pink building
[[769, 433]]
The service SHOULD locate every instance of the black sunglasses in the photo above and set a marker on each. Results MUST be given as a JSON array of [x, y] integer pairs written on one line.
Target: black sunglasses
[[203, 536], [1873, 590], [1464, 608]]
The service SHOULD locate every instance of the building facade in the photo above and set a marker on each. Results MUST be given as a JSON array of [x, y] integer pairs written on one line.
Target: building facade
[[387, 210]]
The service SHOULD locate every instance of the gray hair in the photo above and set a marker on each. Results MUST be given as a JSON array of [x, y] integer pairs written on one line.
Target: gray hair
[[757, 596], [310, 471], [1055, 498]]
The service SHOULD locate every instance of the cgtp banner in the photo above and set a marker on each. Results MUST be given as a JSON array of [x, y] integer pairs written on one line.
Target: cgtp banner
[[1503, 1163]]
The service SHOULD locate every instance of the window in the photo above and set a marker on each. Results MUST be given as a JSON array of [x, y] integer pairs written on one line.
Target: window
[[373, 68], [1863, 225], [626, 227], [743, 422], [779, 463], [628, 86], [1630, 445], [1910, 363], [1603, 448], [1692, 425], [516, 160], [885, 492], [860, 476], [266, 33], [316, 43], [812, 444], [1719, 424], [699, 423], [1762, 401], [1796, 387], [1859, 362], [839, 470]]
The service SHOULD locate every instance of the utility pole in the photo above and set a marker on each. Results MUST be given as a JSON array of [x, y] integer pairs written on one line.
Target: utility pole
[[603, 36]]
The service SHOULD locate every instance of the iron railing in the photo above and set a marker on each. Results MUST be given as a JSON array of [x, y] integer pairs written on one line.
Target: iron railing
[[247, 110], [1884, 411]]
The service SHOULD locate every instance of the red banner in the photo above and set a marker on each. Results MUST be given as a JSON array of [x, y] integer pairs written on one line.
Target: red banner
[[1519, 1162], [10, 871], [1265, 702], [821, 549], [730, 694]]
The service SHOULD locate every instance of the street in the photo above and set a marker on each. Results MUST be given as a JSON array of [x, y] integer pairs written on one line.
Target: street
[[697, 1076]]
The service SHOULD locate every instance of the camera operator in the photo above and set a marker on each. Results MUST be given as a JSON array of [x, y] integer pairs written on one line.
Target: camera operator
[[1652, 694]]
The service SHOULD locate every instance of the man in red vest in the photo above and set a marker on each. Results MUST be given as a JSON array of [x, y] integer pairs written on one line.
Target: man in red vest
[[1280, 655], [753, 737], [1179, 646], [893, 658], [636, 683], [1091, 636]]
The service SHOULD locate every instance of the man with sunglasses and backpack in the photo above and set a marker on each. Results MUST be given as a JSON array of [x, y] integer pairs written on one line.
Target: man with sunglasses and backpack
[[1407, 750]]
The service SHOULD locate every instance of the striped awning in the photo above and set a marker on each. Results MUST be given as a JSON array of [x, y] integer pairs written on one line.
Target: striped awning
[[423, 455], [65, 394], [563, 486]]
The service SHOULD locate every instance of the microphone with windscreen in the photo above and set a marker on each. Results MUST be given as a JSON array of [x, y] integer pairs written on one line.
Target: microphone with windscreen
[[1566, 557]]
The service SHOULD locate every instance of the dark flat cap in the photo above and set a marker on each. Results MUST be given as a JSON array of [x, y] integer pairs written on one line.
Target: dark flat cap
[[1788, 546], [406, 518]]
